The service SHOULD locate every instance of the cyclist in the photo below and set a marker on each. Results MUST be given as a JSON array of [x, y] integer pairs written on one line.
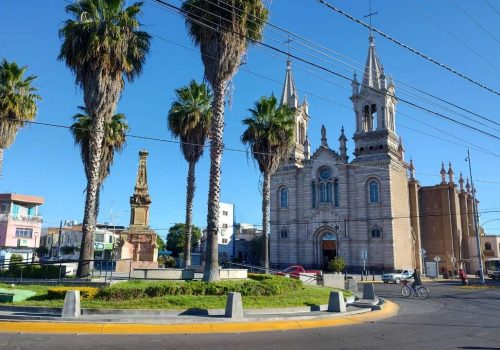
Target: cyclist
[[416, 280]]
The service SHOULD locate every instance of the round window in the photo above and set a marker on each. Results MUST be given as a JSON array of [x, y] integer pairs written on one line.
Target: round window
[[325, 174]]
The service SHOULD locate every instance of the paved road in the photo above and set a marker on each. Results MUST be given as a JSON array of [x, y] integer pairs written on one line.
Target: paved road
[[453, 318]]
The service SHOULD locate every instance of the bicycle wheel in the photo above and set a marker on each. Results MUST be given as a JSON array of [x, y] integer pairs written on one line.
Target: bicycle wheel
[[406, 291], [422, 292]]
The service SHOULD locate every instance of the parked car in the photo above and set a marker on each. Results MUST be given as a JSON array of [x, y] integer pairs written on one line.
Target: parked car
[[397, 275], [295, 271]]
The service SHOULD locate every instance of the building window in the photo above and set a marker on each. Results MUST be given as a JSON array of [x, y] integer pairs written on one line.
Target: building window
[[284, 198], [224, 225], [110, 239], [336, 192], [487, 246], [99, 237], [224, 240], [375, 233], [224, 212], [31, 211], [325, 192], [4, 206], [24, 232], [313, 191], [284, 233], [374, 191]]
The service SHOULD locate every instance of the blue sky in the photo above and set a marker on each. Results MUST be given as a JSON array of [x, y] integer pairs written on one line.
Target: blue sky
[[44, 161]]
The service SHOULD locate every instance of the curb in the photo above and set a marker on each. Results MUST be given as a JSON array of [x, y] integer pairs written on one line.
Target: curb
[[243, 326]]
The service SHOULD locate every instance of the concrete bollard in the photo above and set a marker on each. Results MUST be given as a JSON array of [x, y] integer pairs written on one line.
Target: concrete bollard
[[234, 305], [351, 285], [336, 302], [71, 304], [368, 291]]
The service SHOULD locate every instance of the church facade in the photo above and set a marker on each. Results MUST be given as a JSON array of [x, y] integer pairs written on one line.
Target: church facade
[[365, 210]]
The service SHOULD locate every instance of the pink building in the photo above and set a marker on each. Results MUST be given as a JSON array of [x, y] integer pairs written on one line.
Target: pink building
[[20, 225]]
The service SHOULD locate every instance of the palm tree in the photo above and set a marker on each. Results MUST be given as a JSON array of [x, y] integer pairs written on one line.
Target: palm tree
[[269, 135], [17, 103], [189, 119], [113, 141], [102, 45], [223, 30]]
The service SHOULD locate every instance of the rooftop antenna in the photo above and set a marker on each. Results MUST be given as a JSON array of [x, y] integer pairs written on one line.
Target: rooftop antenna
[[369, 15]]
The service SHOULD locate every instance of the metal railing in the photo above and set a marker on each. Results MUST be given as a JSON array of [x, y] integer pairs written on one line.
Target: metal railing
[[21, 218], [57, 271]]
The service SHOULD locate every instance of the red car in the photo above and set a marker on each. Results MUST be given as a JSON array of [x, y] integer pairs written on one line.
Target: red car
[[295, 271]]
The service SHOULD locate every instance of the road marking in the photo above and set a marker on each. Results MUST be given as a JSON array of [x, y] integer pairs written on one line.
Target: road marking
[[390, 309]]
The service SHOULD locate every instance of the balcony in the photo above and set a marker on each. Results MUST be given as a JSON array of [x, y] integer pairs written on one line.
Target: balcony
[[21, 218]]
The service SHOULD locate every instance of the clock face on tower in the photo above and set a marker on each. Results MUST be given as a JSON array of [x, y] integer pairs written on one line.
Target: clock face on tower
[[325, 174]]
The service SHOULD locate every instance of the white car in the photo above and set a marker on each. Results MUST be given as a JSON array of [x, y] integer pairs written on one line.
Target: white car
[[397, 275]]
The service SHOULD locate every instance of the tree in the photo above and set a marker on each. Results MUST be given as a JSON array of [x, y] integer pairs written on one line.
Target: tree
[[102, 45], [176, 236], [189, 120], [114, 141], [160, 243], [223, 31], [269, 135], [17, 103]]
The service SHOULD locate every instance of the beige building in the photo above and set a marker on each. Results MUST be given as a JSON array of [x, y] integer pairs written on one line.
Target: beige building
[[370, 210]]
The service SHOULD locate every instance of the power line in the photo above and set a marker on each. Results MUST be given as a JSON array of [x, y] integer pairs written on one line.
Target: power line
[[475, 22], [415, 51], [453, 35], [492, 7], [288, 33], [326, 69]]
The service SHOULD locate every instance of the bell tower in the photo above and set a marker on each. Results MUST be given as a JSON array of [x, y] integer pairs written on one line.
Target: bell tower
[[290, 98], [374, 105]]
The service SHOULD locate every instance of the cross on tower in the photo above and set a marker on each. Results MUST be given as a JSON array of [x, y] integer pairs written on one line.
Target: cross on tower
[[288, 41], [369, 15]]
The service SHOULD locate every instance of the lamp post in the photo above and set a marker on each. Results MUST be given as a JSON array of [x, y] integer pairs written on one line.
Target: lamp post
[[476, 220], [34, 250]]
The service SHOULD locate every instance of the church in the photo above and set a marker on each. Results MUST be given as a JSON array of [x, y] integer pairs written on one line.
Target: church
[[365, 210]]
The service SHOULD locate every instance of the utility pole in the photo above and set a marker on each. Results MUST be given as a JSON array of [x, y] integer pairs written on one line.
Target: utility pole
[[476, 220]]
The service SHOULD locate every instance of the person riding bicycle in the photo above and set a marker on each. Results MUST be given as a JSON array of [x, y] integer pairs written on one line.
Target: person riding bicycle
[[416, 279]]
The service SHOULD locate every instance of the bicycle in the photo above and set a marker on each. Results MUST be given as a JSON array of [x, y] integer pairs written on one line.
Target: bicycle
[[421, 291]]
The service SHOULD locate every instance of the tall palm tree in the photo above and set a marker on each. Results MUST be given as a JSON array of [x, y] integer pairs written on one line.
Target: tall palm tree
[[17, 103], [102, 45], [113, 141], [223, 30], [189, 120], [270, 136]]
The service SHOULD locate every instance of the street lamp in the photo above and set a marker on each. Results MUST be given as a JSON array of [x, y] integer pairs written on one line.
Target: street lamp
[[34, 250], [476, 219]]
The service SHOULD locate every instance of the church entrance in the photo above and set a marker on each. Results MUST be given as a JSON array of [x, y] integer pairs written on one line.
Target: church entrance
[[328, 248]]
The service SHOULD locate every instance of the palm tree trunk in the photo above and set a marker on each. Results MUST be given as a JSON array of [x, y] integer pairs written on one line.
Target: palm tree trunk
[[1, 162], [211, 272], [266, 195], [189, 213], [89, 218]]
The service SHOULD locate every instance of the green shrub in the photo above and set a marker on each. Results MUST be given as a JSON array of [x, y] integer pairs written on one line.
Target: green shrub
[[86, 293], [263, 286], [336, 265]]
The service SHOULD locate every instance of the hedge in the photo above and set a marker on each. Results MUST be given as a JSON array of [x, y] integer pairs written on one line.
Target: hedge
[[256, 286], [86, 293]]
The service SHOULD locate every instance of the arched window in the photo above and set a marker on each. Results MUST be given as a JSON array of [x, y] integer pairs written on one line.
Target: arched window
[[336, 192], [325, 185], [487, 246], [373, 191], [284, 197], [329, 192], [375, 233]]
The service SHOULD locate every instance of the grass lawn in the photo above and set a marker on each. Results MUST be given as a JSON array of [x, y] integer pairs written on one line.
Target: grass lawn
[[309, 295]]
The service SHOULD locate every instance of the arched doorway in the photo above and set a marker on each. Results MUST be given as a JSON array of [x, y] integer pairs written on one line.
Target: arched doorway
[[328, 248]]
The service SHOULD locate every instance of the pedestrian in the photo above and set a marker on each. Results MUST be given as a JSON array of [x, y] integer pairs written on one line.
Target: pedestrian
[[463, 276]]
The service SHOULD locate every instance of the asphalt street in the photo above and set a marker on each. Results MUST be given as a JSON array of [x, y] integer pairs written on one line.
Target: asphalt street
[[452, 318]]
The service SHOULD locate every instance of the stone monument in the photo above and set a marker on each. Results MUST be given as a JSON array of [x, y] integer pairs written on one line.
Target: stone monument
[[139, 240]]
